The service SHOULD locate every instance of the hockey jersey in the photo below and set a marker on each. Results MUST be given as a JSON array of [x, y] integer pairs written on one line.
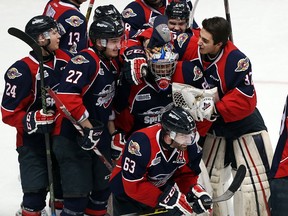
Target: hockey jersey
[[23, 91], [144, 170], [74, 22]]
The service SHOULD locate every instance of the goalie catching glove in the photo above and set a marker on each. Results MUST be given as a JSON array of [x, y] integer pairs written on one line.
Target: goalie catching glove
[[201, 201], [135, 65], [91, 136], [174, 201], [39, 122], [199, 102]]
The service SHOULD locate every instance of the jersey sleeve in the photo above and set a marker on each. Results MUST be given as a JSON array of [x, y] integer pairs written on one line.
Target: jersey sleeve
[[135, 160], [17, 94], [240, 99]]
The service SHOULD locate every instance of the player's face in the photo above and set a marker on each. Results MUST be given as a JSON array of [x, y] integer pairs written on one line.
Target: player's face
[[181, 141], [177, 25], [206, 43], [112, 47], [54, 40]]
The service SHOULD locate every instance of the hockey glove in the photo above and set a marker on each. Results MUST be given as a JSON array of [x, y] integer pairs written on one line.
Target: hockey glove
[[135, 65], [38, 122], [117, 144], [174, 201], [202, 201], [205, 109], [91, 136]]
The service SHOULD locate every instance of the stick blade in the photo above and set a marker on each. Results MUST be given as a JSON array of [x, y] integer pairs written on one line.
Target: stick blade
[[237, 181]]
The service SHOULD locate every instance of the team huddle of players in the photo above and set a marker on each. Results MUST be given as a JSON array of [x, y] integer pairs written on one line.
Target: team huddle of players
[[148, 92]]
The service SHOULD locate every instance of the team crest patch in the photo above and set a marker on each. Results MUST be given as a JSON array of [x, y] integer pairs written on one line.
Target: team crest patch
[[12, 73], [197, 73], [181, 39], [127, 13], [74, 21], [242, 65], [134, 148], [79, 59]]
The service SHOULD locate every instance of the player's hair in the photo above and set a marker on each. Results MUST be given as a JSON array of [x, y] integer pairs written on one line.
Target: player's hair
[[219, 28]]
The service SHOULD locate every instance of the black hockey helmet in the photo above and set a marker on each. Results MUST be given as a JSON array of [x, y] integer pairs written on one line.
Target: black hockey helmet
[[107, 10], [178, 120], [40, 24], [177, 9], [104, 28]]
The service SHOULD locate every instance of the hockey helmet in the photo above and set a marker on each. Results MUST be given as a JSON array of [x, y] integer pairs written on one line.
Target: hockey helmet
[[162, 65], [180, 125], [42, 24], [105, 28], [107, 10], [177, 10]]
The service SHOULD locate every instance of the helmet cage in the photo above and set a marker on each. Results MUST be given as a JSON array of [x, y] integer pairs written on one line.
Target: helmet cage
[[162, 66]]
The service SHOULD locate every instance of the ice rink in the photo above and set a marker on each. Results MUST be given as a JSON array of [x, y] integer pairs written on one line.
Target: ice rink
[[260, 30]]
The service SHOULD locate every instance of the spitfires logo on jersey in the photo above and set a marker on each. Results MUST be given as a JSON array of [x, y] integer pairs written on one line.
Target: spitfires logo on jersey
[[127, 13], [134, 148], [13, 73], [242, 65], [79, 59], [74, 21], [106, 95]]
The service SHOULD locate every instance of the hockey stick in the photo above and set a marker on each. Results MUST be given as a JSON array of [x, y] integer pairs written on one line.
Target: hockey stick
[[88, 13], [38, 51], [191, 18], [77, 125], [234, 186], [228, 18]]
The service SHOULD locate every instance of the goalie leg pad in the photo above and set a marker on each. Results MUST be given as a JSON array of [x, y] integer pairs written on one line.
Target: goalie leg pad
[[213, 157], [255, 152]]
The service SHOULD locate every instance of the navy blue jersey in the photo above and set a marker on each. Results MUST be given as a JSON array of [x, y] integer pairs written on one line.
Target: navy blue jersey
[[144, 103], [145, 168], [87, 86], [23, 91], [74, 22]]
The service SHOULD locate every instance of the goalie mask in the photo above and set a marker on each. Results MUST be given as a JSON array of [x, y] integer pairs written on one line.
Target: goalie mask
[[162, 66], [180, 126]]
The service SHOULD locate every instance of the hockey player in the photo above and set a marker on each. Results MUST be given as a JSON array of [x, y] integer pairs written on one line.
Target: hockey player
[[140, 14], [160, 167], [67, 13], [238, 135], [278, 198], [87, 89], [22, 108]]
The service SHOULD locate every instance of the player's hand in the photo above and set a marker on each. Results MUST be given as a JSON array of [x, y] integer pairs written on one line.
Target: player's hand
[[135, 65], [174, 201], [38, 122], [91, 136], [200, 199], [117, 144]]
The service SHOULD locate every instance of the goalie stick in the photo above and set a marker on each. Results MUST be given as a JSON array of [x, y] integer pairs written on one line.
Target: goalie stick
[[77, 125], [234, 186], [89, 9], [38, 51]]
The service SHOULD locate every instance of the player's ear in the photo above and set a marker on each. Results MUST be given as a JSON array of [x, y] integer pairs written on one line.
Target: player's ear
[[41, 40]]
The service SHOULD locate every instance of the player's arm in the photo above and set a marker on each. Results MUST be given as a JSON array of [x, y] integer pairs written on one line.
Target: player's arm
[[239, 101]]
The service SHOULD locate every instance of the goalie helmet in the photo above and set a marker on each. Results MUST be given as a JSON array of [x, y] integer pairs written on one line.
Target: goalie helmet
[[180, 125], [162, 65], [40, 25], [105, 28], [177, 10]]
